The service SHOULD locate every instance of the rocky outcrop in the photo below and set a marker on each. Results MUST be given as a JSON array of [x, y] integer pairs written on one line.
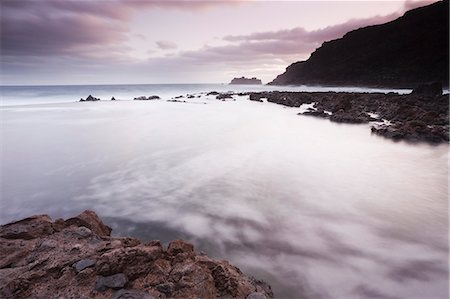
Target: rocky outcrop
[[78, 258], [406, 52], [418, 116], [144, 98], [246, 81], [90, 98]]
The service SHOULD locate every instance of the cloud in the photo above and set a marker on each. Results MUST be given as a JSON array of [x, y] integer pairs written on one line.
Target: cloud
[[166, 45]]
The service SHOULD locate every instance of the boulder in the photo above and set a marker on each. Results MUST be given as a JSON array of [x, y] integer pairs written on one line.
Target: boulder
[[116, 281]]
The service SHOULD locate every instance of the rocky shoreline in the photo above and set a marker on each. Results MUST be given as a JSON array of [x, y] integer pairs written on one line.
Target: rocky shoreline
[[78, 258], [413, 117]]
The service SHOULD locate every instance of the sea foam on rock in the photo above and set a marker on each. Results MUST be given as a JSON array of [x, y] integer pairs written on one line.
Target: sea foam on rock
[[78, 258]]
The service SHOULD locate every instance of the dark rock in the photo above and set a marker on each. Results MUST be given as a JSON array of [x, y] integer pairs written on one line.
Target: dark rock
[[113, 99], [144, 98], [224, 96], [90, 98], [247, 81], [153, 98], [83, 264], [166, 288], [116, 281], [432, 90], [402, 53], [190, 96], [212, 93]]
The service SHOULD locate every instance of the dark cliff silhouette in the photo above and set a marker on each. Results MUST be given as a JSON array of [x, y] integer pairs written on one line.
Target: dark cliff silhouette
[[406, 52]]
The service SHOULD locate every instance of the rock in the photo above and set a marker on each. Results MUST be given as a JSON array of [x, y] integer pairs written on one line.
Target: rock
[[131, 294], [90, 98], [113, 99], [246, 81], [180, 246], [432, 89], [144, 98], [90, 220], [116, 281], [386, 55], [83, 264], [77, 258], [212, 93], [257, 295], [28, 228], [224, 96], [190, 96]]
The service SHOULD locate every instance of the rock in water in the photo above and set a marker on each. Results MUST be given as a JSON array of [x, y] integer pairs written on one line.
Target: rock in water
[[113, 99], [246, 81], [78, 258]]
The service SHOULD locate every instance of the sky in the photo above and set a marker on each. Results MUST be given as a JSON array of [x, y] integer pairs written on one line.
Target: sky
[[57, 42]]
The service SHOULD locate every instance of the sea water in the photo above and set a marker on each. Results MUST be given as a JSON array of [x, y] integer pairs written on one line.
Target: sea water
[[315, 208]]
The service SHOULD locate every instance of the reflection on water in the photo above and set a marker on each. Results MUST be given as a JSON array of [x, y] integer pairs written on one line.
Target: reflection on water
[[318, 209]]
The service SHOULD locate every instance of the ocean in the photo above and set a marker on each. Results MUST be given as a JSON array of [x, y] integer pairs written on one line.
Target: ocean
[[315, 208]]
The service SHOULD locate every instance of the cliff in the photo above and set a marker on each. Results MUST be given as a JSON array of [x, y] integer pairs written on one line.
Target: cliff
[[244, 80], [78, 258], [406, 52]]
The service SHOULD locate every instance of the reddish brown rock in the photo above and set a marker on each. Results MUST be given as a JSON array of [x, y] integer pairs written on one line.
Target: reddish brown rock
[[78, 258]]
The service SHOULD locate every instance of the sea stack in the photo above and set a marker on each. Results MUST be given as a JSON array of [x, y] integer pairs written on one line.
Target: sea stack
[[243, 80]]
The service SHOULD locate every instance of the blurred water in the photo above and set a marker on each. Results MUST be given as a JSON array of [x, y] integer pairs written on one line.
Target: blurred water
[[24, 95], [318, 209]]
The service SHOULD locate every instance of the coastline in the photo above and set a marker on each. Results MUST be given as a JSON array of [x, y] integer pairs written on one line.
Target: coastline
[[78, 258]]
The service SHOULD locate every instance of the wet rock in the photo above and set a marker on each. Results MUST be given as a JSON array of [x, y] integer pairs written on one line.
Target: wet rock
[[212, 93], [83, 264], [144, 98], [90, 98], [224, 96], [113, 99], [116, 281]]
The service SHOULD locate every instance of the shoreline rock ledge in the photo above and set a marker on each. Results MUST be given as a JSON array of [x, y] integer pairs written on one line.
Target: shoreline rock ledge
[[78, 258]]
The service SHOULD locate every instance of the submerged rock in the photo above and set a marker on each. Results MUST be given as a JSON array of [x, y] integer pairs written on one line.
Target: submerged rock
[[78, 258]]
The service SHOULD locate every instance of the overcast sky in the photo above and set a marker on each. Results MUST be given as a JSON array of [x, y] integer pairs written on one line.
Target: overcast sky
[[127, 41]]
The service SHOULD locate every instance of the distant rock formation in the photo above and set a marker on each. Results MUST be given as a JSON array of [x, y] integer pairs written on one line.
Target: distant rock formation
[[144, 98], [243, 80], [90, 98], [406, 52], [78, 258]]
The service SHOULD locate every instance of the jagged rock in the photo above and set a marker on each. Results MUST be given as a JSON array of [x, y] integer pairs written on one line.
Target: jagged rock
[[113, 99], [90, 220], [90, 98], [77, 258]]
